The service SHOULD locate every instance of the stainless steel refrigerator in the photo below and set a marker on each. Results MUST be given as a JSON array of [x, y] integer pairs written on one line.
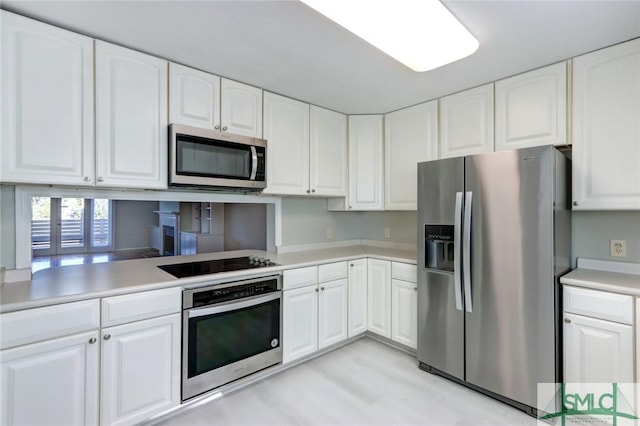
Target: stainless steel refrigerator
[[494, 238]]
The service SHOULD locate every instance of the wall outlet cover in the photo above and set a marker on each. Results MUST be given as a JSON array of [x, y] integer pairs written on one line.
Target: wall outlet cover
[[387, 232], [329, 233], [618, 248]]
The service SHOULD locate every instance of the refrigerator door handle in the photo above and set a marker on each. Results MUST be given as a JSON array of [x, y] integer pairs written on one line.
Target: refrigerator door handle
[[466, 249], [457, 270]]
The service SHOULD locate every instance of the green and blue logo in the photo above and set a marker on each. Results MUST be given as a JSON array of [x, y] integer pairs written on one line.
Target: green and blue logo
[[590, 403]]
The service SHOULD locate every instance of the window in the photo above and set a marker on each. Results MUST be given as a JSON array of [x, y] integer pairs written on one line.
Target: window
[[70, 225]]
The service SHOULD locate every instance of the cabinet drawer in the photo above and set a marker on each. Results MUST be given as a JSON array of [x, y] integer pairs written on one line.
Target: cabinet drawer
[[34, 325], [139, 306], [332, 272], [598, 304], [301, 277], [404, 271]]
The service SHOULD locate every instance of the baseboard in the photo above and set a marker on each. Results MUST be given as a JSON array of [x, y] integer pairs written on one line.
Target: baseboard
[[14, 275]]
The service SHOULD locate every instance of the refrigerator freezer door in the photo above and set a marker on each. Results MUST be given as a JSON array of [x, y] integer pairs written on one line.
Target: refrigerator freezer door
[[509, 337], [440, 323]]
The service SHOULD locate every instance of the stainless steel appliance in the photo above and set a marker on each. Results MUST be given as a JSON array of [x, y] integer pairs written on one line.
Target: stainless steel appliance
[[494, 237], [206, 158], [230, 330]]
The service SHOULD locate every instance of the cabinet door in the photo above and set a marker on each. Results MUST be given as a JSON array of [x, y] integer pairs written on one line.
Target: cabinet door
[[194, 97], [328, 153], [379, 297], [54, 382], [365, 163], [300, 322], [240, 109], [411, 136], [357, 297], [466, 122], [131, 118], [140, 370], [597, 351], [606, 127], [286, 129], [404, 313], [531, 108], [332, 313], [47, 104]]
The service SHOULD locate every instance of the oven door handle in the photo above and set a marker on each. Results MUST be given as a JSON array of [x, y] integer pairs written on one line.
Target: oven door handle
[[226, 307]]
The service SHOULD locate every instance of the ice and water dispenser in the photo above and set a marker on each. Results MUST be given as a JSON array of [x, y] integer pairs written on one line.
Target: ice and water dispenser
[[439, 247]]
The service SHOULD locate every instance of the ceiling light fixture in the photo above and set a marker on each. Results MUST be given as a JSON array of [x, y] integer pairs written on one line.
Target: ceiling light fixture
[[421, 34]]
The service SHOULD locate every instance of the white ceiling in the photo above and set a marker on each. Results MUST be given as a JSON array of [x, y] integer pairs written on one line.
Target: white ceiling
[[287, 48]]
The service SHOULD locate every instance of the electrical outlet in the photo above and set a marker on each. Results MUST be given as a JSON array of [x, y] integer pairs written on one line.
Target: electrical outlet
[[387, 232], [329, 233], [618, 248]]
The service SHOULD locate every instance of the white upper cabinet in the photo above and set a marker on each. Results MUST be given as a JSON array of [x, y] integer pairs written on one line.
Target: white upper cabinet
[[531, 108], [365, 163], [328, 153], [194, 97], [47, 104], [286, 129], [131, 118], [606, 129], [200, 99], [466, 122], [411, 136], [240, 109]]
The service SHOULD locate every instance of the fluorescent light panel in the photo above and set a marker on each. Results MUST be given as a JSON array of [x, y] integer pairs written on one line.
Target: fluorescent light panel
[[421, 34]]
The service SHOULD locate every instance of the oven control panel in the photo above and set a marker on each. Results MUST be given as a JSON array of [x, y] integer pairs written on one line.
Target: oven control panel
[[223, 293]]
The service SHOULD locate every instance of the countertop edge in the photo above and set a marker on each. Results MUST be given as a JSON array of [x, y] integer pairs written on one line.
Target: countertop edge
[[287, 260]]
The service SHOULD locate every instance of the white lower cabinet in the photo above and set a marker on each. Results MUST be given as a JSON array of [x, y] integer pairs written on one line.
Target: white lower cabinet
[[314, 313], [332, 313], [54, 382], [140, 370], [357, 321], [597, 349], [299, 322], [404, 313], [379, 297]]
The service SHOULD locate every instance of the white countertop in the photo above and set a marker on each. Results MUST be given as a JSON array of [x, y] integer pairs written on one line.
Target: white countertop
[[616, 277], [80, 282]]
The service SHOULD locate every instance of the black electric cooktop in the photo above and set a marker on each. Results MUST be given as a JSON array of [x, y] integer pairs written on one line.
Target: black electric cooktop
[[190, 269]]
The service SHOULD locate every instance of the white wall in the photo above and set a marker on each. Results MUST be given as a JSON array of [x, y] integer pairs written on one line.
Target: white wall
[[131, 220], [245, 226], [591, 232], [305, 220]]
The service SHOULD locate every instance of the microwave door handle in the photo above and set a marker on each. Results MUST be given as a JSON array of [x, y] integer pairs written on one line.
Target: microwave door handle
[[254, 163], [232, 306]]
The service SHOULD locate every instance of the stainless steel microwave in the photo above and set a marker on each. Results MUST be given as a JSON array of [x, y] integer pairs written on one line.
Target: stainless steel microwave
[[209, 159]]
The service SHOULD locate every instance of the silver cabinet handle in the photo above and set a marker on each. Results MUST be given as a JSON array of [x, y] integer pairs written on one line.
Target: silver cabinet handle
[[575, 203], [92, 340], [100, 179], [313, 190], [322, 288], [567, 320], [216, 127], [352, 265], [224, 128], [107, 336], [466, 258], [415, 289], [316, 289], [308, 191], [86, 179]]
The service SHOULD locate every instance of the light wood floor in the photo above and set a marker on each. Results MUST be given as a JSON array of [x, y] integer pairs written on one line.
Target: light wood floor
[[363, 383]]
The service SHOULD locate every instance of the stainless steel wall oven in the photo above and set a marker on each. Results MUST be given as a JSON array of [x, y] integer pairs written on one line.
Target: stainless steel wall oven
[[230, 330]]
